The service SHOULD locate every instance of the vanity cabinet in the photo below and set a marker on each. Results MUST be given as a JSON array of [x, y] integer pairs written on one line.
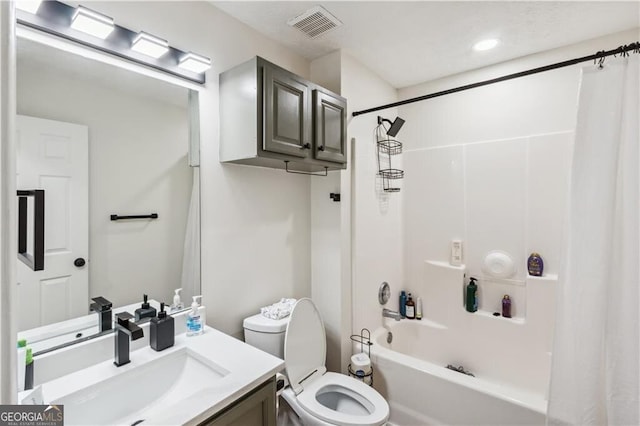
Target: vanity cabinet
[[271, 117], [257, 408]]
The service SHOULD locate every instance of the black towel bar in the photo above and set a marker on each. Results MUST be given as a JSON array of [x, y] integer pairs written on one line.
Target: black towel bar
[[141, 216]]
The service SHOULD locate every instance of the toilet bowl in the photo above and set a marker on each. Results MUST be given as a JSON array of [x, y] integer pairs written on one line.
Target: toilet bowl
[[319, 397]]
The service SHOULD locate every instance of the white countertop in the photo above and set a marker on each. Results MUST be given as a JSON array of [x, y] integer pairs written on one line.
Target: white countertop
[[245, 367]]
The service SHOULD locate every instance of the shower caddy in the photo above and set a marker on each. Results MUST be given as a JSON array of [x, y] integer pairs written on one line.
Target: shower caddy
[[387, 148]]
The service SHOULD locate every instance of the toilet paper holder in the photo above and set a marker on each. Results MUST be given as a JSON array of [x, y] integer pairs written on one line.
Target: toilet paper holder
[[360, 366]]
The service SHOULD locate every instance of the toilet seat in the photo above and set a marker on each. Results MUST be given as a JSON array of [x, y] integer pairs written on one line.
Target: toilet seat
[[304, 357], [368, 397]]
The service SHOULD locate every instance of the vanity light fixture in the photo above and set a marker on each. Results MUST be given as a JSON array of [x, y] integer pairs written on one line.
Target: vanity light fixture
[[485, 44], [149, 45], [195, 63], [92, 22], [28, 5], [99, 32]]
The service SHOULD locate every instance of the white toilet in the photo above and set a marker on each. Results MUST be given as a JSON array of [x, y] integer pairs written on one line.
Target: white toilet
[[318, 397]]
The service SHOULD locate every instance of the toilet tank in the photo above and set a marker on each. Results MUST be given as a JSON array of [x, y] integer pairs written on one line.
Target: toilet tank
[[266, 334]]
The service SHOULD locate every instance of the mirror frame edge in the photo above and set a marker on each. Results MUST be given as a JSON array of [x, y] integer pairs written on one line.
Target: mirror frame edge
[[8, 244]]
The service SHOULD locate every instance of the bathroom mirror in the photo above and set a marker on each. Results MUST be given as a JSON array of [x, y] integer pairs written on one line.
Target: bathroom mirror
[[105, 143]]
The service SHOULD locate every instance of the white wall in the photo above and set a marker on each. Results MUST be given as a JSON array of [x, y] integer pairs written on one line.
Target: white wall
[[376, 216], [491, 165], [255, 221], [327, 261], [137, 165]]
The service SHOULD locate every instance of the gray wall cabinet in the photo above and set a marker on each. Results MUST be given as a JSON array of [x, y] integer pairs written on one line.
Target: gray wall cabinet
[[269, 116]]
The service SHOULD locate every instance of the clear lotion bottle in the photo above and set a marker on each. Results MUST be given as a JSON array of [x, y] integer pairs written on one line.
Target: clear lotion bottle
[[194, 320]]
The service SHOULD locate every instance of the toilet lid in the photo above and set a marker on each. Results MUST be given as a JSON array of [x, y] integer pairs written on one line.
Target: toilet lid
[[305, 347], [376, 406]]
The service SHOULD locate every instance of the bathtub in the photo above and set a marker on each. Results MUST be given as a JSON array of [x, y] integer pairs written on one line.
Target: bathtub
[[410, 372]]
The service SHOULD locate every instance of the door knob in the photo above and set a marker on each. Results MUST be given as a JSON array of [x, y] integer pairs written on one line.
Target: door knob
[[79, 262], [306, 146]]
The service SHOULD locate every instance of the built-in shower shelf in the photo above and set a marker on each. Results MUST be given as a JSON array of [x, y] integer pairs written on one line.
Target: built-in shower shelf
[[493, 280], [545, 277], [446, 265], [514, 320]]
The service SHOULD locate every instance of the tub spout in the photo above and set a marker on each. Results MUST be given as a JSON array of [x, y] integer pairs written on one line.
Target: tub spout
[[388, 313]]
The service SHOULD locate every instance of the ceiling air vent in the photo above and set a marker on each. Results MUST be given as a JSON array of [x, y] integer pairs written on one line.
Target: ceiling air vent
[[315, 22]]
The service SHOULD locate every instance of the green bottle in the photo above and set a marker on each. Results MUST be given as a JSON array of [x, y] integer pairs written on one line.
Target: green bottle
[[471, 302]]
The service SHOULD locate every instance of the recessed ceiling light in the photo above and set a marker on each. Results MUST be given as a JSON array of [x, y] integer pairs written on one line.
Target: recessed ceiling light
[[195, 63], [485, 44], [28, 6], [150, 45], [92, 23]]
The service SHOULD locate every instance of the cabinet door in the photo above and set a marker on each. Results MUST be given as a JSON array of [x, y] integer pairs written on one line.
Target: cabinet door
[[330, 118], [287, 114], [256, 409]]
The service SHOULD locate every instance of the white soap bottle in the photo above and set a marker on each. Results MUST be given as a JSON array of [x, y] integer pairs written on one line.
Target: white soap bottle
[[177, 302], [194, 320]]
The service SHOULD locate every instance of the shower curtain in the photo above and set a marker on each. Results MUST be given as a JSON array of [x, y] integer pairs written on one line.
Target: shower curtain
[[191, 256], [596, 363]]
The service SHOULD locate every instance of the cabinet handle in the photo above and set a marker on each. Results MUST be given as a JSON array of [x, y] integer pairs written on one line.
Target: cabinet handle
[[321, 148], [306, 146]]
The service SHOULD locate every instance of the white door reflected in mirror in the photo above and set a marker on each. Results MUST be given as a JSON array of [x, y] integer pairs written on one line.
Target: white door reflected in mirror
[[53, 156]]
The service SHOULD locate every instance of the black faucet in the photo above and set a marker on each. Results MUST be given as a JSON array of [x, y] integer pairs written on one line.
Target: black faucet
[[102, 307], [124, 329]]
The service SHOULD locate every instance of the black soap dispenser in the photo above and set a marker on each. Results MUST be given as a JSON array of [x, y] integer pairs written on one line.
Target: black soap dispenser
[[145, 311], [162, 331]]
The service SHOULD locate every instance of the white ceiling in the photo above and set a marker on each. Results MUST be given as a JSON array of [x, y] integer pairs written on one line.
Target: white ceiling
[[407, 43]]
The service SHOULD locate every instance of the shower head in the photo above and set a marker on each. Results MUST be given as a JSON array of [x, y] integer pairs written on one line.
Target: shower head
[[396, 125]]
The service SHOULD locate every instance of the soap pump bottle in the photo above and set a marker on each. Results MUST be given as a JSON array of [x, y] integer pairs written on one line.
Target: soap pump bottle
[[162, 331], [177, 302], [194, 320], [471, 300], [410, 310], [145, 310], [403, 304]]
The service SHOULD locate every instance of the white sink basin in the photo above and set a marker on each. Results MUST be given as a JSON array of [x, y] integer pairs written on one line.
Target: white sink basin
[[185, 384], [124, 399]]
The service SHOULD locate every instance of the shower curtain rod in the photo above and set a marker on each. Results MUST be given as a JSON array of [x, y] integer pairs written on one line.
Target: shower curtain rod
[[623, 50]]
